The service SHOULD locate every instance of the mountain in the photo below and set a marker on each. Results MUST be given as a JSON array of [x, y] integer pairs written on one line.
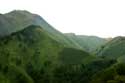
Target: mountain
[[33, 50], [17, 20], [115, 48], [88, 43]]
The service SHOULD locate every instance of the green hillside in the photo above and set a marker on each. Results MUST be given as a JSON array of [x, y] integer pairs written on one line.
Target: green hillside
[[17, 20], [113, 49], [32, 52], [88, 43], [26, 50]]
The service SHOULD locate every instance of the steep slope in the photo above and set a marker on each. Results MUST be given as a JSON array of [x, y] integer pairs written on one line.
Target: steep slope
[[31, 53], [30, 48], [17, 20], [88, 43], [113, 49]]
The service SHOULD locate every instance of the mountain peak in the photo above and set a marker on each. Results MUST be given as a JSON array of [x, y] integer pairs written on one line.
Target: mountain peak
[[18, 11], [17, 20]]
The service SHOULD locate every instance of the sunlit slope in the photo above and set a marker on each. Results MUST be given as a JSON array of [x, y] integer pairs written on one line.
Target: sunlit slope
[[88, 43], [113, 49]]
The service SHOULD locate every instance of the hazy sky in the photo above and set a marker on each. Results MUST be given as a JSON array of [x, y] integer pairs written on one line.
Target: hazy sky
[[104, 18]]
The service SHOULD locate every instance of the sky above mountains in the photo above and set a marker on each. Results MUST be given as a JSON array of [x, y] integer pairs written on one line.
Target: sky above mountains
[[104, 18]]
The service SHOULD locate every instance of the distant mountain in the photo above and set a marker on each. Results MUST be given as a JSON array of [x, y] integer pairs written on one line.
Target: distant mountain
[[88, 43], [113, 49]]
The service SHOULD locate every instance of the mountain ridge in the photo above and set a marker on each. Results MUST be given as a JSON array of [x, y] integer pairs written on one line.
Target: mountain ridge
[[114, 48], [19, 19], [32, 51]]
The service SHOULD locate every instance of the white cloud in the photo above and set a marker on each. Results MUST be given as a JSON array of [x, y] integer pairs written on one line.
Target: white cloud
[[88, 17]]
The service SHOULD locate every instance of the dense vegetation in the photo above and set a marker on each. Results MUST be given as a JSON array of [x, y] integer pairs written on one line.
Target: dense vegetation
[[32, 51], [114, 74], [33, 56]]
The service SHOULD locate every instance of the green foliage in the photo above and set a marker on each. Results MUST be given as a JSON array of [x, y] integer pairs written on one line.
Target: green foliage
[[30, 46], [113, 49], [41, 54], [120, 69], [69, 74], [72, 56], [31, 55], [115, 74], [78, 73]]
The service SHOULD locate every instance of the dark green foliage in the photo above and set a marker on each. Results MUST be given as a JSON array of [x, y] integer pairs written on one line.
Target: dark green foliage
[[26, 51], [120, 69], [72, 56], [31, 55], [79, 73], [38, 76], [69, 74], [114, 74]]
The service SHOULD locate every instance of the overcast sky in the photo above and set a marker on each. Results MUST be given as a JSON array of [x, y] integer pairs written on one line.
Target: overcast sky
[[104, 18]]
